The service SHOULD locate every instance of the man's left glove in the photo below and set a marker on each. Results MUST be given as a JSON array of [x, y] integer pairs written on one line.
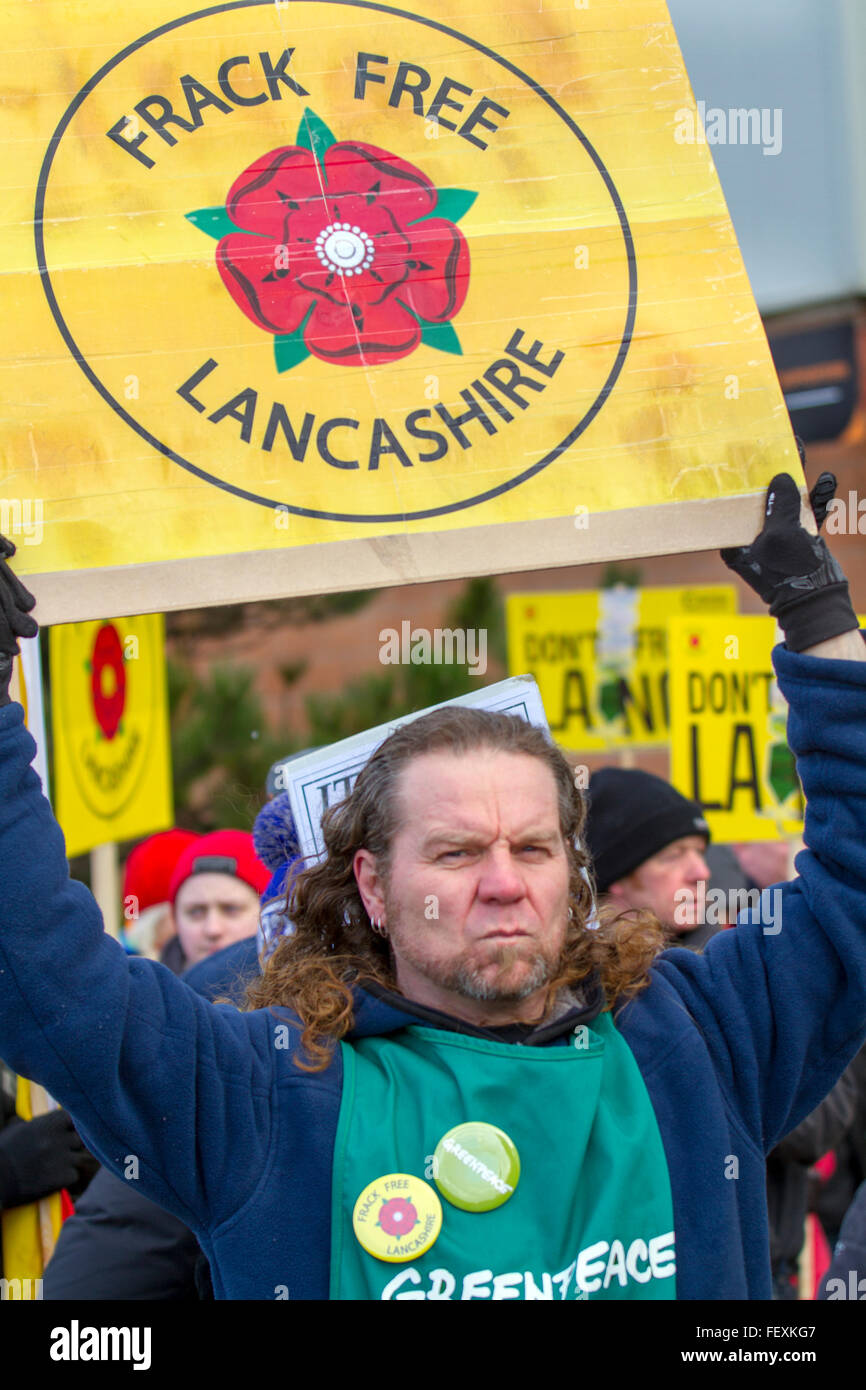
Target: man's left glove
[[15, 620], [792, 570]]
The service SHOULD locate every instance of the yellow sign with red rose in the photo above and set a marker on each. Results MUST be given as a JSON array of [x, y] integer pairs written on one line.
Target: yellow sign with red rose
[[364, 293], [109, 715]]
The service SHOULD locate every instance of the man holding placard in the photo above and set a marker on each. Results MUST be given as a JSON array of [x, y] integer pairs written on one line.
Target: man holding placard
[[462, 1086]]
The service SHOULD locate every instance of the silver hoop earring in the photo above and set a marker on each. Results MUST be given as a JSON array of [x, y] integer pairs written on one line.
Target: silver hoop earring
[[378, 928]]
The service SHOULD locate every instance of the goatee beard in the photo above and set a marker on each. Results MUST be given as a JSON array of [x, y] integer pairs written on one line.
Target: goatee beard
[[470, 981]]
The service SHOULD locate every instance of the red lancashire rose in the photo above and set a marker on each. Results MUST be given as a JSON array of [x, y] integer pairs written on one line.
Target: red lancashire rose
[[398, 1216], [108, 680], [339, 240]]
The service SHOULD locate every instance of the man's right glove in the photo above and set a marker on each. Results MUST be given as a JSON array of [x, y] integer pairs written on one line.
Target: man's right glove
[[792, 570], [38, 1157], [15, 620]]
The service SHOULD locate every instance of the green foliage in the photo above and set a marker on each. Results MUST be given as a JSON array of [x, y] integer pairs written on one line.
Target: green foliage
[[615, 573], [292, 671], [220, 748], [272, 613]]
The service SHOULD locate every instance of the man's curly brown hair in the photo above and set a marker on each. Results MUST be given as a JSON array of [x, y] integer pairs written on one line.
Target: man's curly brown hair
[[334, 947]]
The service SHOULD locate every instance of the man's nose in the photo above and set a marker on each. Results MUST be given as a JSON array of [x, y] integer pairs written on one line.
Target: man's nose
[[699, 868], [500, 877], [213, 922]]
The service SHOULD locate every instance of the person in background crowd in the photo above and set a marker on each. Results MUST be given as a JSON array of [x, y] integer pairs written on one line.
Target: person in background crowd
[[788, 1167], [831, 1197], [214, 895], [846, 1277], [147, 920], [38, 1157], [765, 862], [650, 849], [276, 843], [647, 844]]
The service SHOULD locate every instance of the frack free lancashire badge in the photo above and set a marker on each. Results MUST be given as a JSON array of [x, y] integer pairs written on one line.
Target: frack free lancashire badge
[[398, 1217]]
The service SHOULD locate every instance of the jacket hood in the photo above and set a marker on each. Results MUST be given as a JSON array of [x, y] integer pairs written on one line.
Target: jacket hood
[[379, 1011]]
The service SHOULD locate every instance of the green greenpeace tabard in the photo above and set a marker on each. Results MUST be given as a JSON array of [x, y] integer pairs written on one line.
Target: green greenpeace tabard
[[591, 1216]]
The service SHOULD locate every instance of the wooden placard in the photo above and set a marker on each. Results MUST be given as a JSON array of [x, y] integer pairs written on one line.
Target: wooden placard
[[337, 294]]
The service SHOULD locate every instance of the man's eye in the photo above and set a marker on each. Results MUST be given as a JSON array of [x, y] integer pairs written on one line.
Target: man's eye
[[452, 853]]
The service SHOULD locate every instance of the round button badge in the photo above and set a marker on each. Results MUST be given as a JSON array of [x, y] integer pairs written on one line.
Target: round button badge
[[476, 1166], [397, 1217]]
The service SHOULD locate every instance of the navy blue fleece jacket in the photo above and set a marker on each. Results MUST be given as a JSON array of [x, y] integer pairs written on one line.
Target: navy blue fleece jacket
[[735, 1046]]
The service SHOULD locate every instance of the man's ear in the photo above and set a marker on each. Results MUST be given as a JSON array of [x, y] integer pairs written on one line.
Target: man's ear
[[370, 883]]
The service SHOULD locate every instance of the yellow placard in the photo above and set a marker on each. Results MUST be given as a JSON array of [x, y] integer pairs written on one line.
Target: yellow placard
[[601, 658], [286, 279], [28, 1233], [728, 728], [109, 715]]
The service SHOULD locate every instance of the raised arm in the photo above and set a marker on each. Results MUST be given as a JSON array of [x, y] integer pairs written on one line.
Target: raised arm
[[142, 1063], [781, 999]]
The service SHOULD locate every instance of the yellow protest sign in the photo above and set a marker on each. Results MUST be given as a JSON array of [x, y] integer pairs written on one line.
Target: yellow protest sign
[[728, 728], [362, 293], [601, 658], [109, 714]]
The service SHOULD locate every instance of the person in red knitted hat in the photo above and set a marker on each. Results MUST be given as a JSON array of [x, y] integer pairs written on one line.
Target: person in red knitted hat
[[214, 893], [147, 919]]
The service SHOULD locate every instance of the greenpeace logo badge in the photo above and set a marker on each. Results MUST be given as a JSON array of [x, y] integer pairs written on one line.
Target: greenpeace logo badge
[[76, 1343]]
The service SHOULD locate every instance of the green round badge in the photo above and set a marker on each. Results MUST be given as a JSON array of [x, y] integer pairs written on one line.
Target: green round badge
[[476, 1166]]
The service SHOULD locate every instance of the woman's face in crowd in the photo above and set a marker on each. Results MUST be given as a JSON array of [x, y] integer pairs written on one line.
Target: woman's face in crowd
[[212, 911]]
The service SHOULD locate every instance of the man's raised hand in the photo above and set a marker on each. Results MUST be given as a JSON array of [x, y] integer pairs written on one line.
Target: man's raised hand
[[15, 620], [792, 570]]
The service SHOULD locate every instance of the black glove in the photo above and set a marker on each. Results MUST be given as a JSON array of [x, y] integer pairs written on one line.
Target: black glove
[[793, 571], [38, 1157], [15, 621]]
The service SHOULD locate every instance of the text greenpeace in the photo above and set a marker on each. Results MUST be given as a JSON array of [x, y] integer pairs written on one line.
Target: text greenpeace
[[485, 1173], [595, 1269]]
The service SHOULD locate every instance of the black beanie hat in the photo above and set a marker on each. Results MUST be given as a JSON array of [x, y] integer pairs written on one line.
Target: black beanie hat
[[632, 816]]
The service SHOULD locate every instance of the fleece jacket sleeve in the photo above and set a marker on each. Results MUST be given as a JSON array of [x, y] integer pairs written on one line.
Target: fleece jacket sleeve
[[781, 998], [146, 1067]]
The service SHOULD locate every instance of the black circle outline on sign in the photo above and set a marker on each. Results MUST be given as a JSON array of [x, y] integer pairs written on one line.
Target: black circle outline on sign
[[165, 449]]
